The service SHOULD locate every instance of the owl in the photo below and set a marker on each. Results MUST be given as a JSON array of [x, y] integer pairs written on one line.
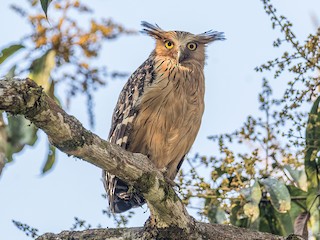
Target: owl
[[159, 109]]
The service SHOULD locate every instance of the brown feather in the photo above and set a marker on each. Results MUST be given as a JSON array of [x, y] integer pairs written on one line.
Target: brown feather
[[160, 108]]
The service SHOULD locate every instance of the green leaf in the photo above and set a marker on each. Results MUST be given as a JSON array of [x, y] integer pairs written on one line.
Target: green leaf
[[221, 216], [264, 225], [314, 223], [252, 194], [296, 209], [7, 52], [252, 211], [50, 159], [217, 215], [41, 68], [295, 191], [45, 5], [284, 223], [313, 146], [313, 132], [267, 219], [11, 72], [234, 214], [20, 132], [298, 201], [274, 222], [251, 208], [237, 217], [298, 205], [299, 177], [256, 193], [279, 194], [313, 199]]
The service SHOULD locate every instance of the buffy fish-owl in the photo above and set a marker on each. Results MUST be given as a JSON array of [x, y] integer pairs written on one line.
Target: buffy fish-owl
[[159, 109]]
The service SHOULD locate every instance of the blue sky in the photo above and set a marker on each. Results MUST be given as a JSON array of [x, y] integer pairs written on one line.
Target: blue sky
[[74, 187]]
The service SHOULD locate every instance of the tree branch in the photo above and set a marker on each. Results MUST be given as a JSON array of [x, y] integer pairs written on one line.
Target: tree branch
[[67, 133], [207, 231], [169, 217]]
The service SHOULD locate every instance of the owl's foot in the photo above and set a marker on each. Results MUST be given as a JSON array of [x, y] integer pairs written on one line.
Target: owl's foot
[[171, 182], [168, 179]]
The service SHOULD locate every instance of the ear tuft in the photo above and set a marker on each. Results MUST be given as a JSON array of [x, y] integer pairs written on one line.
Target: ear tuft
[[152, 30], [210, 36]]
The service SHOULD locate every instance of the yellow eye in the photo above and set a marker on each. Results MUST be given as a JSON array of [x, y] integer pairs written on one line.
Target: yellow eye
[[192, 46], [168, 44]]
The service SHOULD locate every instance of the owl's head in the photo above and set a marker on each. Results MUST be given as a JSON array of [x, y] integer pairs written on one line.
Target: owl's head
[[182, 47]]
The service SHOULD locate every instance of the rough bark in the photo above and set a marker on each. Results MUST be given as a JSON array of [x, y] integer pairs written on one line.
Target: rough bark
[[169, 218], [207, 231], [67, 133]]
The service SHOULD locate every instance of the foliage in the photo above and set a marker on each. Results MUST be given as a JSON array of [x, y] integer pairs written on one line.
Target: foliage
[[29, 231], [274, 187], [7, 52], [266, 175], [59, 51], [80, 224], [45, 5], [32, 232]]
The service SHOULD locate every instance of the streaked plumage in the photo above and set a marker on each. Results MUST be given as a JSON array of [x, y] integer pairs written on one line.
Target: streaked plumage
[[160, 108]]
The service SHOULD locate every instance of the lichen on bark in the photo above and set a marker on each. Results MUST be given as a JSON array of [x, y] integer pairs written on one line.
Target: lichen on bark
[[169, 216]]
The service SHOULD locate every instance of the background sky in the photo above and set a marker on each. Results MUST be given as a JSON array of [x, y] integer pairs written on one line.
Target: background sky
[[74, 187]]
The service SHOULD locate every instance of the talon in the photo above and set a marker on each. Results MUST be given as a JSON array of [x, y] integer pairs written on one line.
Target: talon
[[172, 183]]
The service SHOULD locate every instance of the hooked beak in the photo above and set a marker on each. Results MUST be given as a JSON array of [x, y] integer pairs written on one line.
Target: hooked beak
[[180, 55]]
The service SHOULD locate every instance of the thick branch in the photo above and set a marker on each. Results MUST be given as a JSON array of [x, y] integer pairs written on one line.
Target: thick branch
[[168, 215], [67, 133], [208, 231]]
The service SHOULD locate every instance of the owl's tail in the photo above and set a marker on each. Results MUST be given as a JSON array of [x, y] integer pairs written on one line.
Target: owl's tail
[[121, 198]]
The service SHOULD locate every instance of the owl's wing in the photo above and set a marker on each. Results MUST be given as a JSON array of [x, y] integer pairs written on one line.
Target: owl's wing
[[126, 108], [123, 117]]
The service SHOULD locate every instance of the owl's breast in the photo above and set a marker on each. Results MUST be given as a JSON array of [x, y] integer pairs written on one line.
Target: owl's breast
[[169, 116]]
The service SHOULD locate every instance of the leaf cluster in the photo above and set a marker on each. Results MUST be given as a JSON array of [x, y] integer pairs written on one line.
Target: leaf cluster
[[266, 175], [59, 50]]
